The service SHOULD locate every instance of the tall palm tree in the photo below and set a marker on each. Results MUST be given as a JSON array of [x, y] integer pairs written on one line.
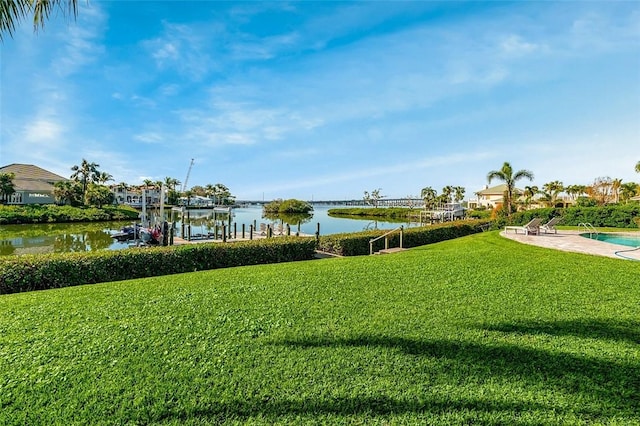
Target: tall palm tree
[[103, 177], [615, 189], [458, 193], [12, 11], [506, 175], [429, 196], [628, 190], [575, 190], [85, 173], [551, 191], [529, 193], [210, 192], [446, 193], [170, 182]]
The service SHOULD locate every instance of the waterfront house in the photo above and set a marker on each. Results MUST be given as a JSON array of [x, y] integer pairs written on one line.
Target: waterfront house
[[32, 184], [490, 198]]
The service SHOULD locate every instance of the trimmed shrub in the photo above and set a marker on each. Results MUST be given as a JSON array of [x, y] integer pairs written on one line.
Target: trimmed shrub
[[614, 216], [356, 244], [26, 273], [60, 214]]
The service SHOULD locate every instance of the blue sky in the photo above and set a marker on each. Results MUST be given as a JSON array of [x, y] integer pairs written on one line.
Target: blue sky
[[326, 100]]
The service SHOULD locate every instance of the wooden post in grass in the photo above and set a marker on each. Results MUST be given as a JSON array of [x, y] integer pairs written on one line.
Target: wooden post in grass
[[318, 232], [288, 230], [224, 232], [251, 232], [243, 231]]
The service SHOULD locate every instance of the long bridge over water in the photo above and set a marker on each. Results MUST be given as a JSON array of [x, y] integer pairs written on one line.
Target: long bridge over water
[[384, 202]]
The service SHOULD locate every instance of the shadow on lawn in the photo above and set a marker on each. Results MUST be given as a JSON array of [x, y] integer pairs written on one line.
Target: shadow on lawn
[[609, 389], [274, 410], [624, 331], [614, 384]]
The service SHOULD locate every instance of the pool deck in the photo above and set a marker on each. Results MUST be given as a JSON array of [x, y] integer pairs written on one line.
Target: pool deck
[[572, 241]]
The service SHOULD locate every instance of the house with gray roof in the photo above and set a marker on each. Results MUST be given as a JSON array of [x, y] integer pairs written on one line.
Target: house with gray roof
[[33, 185]]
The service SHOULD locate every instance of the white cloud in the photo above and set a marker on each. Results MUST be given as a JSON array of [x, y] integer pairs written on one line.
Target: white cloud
[[515, 45], [43, 130], [81, 41], [149, 137], [185, 49]]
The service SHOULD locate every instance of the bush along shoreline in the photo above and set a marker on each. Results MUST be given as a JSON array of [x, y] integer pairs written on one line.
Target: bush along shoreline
[[30, 214]]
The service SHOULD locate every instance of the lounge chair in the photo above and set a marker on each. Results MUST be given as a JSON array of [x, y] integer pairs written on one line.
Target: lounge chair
[[551, 225], [533, 227]]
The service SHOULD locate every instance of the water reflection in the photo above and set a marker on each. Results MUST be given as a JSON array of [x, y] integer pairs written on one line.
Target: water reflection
[[73, 237], [58, 238]]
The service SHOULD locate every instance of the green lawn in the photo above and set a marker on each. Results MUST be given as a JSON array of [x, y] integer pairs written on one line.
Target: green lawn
[[479, 330]]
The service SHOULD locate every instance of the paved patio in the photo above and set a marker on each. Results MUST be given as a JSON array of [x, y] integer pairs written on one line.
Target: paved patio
[[572, 241]]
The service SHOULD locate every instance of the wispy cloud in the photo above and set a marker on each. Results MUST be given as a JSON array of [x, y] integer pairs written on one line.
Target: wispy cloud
[[184, 49], [81, 41]]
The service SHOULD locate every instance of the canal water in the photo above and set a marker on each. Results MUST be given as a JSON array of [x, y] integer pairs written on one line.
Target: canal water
[[69, 237]]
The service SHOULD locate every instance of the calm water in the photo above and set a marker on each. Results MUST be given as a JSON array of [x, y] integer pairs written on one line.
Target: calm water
[[59, 238]]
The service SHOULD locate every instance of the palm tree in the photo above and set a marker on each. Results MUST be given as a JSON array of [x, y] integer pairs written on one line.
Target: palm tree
[[529, 193], [638, 167], [458, 193], [573, 191], [103, 177], [628, 190], [615, 188], [171, 182], [12, 11], [85, 173], [66, 192], [210, 192], [446, 193], [506, 175], [551, 192], [429, 196], [148, 184]]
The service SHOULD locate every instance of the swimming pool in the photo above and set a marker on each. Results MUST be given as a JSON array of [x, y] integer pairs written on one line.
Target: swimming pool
[[621, 239]]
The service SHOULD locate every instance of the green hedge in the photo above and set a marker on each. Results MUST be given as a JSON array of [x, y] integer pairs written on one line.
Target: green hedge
[[50, 213], [613, 216], [356, 244], [26, 273]]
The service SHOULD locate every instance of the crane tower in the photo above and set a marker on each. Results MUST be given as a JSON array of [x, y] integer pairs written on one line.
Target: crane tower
[[186, 179]]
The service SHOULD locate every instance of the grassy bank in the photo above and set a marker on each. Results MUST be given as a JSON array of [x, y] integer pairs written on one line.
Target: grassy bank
[[391, 214], [474, 330]]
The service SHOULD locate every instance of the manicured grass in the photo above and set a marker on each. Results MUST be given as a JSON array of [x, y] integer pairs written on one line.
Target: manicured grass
[[478, 330]]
